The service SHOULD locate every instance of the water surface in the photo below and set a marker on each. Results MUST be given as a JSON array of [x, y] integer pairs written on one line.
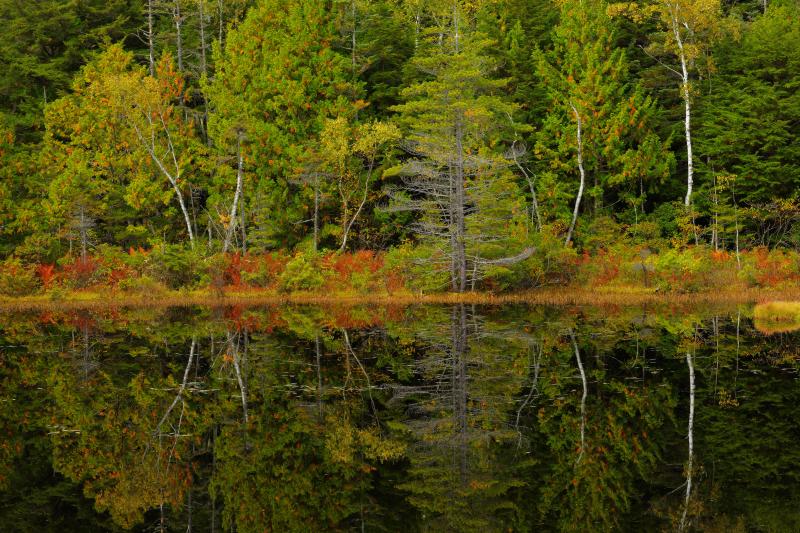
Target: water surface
[[428, 418]]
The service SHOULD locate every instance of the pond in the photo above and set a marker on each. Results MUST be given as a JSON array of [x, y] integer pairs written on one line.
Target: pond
[[421, 418]]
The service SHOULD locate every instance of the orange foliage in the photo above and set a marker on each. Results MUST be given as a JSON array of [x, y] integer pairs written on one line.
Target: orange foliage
[[773, 268], [47, 274]]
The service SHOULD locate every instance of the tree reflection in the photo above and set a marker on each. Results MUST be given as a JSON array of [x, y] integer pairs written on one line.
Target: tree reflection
[[429, 418]]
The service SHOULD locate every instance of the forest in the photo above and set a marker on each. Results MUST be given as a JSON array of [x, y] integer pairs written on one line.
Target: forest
[[398, 146]]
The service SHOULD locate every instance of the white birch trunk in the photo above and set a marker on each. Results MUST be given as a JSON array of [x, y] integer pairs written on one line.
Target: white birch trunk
[[583, 176], [687, 102], [239, 178]]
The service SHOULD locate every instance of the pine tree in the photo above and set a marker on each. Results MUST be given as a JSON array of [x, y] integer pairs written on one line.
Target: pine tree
[[43, 46], [470, 209]]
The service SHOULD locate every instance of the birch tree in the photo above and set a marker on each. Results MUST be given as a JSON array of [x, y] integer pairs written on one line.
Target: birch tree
[[688, 29], [352, 156], [598, 123]]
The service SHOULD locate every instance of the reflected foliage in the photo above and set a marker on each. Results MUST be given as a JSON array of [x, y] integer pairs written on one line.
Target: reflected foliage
[[428, 418]]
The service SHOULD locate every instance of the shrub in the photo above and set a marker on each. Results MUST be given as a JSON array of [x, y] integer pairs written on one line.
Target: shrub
[[79, 273], [17, 279], [175, 265], [769, 268], [419, 266], [302, 273], [686, 270], [144, 285]]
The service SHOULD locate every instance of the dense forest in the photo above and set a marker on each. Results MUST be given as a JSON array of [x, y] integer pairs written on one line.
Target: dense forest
[[379, 144]]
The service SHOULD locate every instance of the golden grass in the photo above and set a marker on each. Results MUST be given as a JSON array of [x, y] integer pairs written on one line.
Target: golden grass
[[618, 296], [777, 317]]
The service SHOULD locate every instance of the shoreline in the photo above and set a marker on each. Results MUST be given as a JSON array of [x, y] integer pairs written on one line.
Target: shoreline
[[550, 296]]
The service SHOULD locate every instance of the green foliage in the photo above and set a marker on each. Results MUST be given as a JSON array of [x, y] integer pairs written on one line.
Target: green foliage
[[17, 279], [586, 75], [175, 265], [747, 116], [413, 264], [144, 286], [278, 78], [302, 273], [372, 125]]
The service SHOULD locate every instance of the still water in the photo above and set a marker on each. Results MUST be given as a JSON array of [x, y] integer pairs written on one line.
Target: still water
[[427, 418]]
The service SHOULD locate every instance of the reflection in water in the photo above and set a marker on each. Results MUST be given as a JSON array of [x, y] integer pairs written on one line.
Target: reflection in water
[[422, 419], [690, 461], [583, 397]]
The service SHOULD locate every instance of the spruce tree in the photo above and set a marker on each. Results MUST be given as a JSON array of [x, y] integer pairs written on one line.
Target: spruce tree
[[277, 79], [599, 124]]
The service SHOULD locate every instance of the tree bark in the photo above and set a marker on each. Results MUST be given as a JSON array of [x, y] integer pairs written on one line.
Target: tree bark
[[349, 224], [173, 179], [689, 464], [583, 397], [583, 176], [178, 18], [232, 219], [150, 38], [687, 102]]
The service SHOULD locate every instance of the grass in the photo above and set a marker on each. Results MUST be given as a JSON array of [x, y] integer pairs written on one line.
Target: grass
[[777, 317], [554, 296]]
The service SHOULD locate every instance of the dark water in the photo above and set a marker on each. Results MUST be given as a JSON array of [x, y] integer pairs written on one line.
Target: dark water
[[417, 419]]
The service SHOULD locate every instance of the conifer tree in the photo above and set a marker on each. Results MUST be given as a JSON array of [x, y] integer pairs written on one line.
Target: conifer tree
[[599, 124], [469, 207], [747, 118], [276, 81]]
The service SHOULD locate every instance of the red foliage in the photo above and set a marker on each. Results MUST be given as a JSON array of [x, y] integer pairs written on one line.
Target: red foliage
[[47, 274], [81, 271], [609, 267], [345, 265], [774, 267]]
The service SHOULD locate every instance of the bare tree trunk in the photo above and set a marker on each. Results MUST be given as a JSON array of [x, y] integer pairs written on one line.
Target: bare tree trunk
[[536, 219], [460, 252], [203, 44], [318, 353], [460, 383], [221, 14], [349, 225], [84, 232], [583, 398], [583, 176], [738, 256], [242, 225], [173, 179], [687, 102], [177, 17], [315, 218], [232, 218], [459, 222], [181, 388], [715, 228], [150, 38], [239, 377]]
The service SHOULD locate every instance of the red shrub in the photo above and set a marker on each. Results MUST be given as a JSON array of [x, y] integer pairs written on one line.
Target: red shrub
[[47, 274]]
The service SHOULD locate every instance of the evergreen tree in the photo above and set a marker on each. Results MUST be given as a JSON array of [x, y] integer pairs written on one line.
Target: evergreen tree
[[45, 42], [749, 115], [276, 81], [599, 124], [469, 205]]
